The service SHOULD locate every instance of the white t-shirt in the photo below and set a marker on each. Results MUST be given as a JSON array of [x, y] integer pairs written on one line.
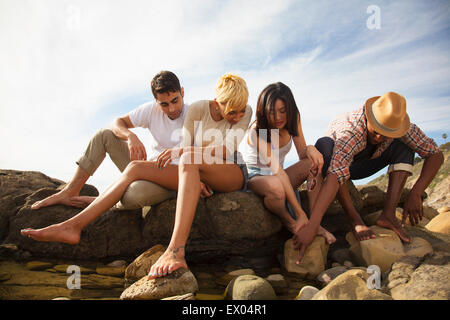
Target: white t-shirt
[[166, 132]]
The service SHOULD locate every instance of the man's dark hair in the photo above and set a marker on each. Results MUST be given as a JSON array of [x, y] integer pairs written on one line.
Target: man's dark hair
[[266, 104], [164, 82]]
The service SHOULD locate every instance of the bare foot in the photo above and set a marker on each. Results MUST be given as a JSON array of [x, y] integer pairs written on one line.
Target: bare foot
[[170, 261], [55, 233], [394, 225], [362, 232], [81, 201], [65, 198], [298, 224], [61, 197], [327, 235]]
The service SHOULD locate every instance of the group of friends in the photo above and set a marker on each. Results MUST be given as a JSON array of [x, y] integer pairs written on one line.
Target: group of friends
[[195, 153]]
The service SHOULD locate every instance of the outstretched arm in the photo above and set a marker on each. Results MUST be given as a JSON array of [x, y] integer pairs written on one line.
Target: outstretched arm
[[413, 204], [305, 235]]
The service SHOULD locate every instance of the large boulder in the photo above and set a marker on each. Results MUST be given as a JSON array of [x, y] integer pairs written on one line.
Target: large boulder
[[105, 237], [16, 186], [226, 224], [351, 285], [440, 223], [382, 251], [415, 278]]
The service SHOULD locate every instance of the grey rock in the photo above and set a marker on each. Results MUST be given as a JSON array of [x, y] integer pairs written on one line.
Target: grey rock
[[250, 287], [414, 278], [179, 282]]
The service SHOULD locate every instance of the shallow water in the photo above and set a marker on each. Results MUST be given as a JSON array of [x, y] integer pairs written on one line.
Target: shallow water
[[57, 280]]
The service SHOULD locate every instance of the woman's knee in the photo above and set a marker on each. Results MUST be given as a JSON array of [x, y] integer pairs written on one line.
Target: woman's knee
[[188, 160], [275, 192], [133, 168]]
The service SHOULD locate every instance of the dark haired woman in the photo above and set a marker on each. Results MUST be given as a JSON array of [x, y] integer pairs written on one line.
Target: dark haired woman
[[269, 139]]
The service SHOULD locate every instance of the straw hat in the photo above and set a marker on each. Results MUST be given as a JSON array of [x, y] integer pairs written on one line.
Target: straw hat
[[387, 115]]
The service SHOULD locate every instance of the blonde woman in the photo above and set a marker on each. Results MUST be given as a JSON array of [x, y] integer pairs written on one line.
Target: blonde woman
[[208, 160]]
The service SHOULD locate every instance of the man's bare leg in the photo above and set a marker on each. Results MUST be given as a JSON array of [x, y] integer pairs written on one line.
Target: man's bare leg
[[69, 194], [359, 228], [387, 219], [69, 231]]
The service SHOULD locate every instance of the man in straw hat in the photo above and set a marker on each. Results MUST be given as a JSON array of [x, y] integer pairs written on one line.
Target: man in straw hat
[[361, 143]]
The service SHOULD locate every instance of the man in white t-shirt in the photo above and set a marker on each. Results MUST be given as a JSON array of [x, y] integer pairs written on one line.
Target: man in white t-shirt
[[163, 118]]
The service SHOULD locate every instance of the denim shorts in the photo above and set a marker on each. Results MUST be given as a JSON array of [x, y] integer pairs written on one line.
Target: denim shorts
[[239, 160], [255, 171]]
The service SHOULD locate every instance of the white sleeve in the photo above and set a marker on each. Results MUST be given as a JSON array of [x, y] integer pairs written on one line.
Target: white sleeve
[[141, 116]]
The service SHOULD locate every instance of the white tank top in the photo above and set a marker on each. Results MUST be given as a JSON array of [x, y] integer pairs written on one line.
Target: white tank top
[[250, 153]]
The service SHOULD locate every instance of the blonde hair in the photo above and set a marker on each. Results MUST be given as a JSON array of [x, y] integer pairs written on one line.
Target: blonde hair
[[232, 91]]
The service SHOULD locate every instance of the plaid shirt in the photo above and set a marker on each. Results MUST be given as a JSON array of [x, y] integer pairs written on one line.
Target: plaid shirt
[[349, 133]]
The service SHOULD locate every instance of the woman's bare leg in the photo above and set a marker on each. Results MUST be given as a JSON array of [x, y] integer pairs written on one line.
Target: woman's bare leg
[[274, 197], [220, 177], [69, 231], [298, 173]]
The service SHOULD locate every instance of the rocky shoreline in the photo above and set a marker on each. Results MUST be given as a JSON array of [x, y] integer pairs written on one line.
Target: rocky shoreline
[[237, 250]]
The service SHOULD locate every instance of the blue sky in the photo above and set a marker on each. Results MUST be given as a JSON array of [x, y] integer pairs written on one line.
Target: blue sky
[[69, 68]]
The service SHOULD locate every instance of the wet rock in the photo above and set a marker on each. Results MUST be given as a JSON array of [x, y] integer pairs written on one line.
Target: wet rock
[[111, 271], [341, 255], [325, 277], [278, 283], [187, 296], [225, 280], [313, 261], [63, 268], [306, 293], [250, 287], [117, 264], [206, 296], [351, 285], [38, 265], [179, 282], [140, 267]]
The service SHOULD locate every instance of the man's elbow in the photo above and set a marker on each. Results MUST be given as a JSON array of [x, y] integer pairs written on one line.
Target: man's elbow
[[437, 158]]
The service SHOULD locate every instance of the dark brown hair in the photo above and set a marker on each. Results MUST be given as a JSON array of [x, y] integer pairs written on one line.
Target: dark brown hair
[[266, 104], [164, 82]]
